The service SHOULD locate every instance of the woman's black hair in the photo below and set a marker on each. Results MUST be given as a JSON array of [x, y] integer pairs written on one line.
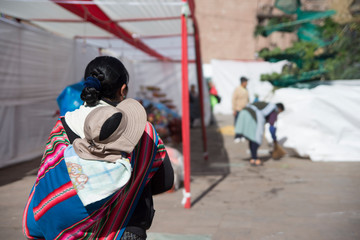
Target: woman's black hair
[[280, 106], [112, 75]]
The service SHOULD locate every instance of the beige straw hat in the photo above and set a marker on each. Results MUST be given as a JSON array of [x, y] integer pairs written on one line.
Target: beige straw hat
[[112, 131]]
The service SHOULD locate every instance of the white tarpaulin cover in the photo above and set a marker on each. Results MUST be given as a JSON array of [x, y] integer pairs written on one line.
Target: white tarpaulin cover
[[321, 123], [226, 77], [36, 66]]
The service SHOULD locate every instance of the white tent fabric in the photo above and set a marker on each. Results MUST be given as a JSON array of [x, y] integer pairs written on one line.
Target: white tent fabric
[[36, 66], [153, 23], [321, 123], [169, 46], [166, 76], [226, 77]]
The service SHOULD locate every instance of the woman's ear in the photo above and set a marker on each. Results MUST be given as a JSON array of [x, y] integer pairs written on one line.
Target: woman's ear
[[123, 92]]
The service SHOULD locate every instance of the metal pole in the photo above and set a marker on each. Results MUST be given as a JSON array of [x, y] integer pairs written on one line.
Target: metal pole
[[199, 77], [185, 108]]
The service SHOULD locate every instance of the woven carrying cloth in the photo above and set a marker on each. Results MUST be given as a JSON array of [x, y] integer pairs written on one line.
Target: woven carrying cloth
[[54, 210]]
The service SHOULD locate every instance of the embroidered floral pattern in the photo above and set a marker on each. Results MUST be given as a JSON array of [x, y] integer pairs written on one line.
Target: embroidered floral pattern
[[78, 178]]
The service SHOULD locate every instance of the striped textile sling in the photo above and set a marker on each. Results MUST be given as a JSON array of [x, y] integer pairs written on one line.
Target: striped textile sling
[[54, 210]]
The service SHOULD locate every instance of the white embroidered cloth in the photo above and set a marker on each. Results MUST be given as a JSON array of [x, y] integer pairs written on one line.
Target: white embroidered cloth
[[96, 180]]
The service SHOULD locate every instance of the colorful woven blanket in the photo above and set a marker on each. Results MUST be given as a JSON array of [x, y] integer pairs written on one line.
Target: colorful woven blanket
[[54, 210]]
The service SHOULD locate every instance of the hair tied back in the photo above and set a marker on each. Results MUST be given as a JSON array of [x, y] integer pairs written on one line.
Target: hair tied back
[[92, 82]]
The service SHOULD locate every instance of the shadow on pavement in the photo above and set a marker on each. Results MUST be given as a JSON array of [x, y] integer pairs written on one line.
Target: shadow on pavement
[[218, 160], [217, 163], [208, 190], [18, 171]]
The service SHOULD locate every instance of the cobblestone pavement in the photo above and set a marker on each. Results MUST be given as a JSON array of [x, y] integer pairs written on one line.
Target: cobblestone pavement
[[291, 198]]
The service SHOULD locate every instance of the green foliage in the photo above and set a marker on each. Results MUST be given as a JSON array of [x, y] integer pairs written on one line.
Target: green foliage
[[259, 30], [270, 77], [345, 64], [302, 53], [340, 59], [262, 30], [329, 29]]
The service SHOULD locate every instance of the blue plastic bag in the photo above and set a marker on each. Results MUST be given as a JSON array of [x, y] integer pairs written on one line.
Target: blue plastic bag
[[69, 99]]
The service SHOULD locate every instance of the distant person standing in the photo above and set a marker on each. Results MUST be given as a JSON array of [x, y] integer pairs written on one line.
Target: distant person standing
[[214, 96], [214, 99], [194, 105], [240, 99]]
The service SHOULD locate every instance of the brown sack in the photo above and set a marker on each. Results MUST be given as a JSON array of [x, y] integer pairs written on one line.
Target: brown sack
[[278, 152]]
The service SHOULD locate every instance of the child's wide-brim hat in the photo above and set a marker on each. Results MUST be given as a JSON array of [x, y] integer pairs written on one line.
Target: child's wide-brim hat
[[112, 131]]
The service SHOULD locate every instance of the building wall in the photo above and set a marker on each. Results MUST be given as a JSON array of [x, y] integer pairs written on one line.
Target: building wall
[[343, 14], [227, 28]]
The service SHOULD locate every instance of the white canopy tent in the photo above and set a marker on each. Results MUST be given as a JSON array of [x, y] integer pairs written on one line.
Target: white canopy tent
[[139, 30], [35, 66], [38, 64]]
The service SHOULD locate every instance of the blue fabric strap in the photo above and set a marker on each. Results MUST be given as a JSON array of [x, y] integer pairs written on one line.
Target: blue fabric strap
[[273, 132], [92, 82]]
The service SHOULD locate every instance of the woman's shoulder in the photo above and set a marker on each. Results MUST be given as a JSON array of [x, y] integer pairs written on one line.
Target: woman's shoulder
[[150, 132], [58, 131], [149, 127]]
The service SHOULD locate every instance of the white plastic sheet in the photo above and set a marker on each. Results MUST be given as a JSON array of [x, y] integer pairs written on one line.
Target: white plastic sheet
[[35, 67], [321, 123], [166, 76]]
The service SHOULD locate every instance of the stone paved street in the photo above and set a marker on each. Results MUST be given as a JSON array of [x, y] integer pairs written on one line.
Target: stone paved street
[[291, 198]]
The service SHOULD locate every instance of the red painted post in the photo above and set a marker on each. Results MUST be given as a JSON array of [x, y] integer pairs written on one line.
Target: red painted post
[[185, 108], [199, 77]]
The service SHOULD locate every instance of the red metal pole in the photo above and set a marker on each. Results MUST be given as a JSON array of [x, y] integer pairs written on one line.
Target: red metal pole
[[95, 15], [199, 77], [185, 109]]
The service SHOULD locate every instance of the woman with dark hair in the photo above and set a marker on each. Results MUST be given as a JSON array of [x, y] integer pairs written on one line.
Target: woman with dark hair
[[58, 207], [113, 78], [250, 124]]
